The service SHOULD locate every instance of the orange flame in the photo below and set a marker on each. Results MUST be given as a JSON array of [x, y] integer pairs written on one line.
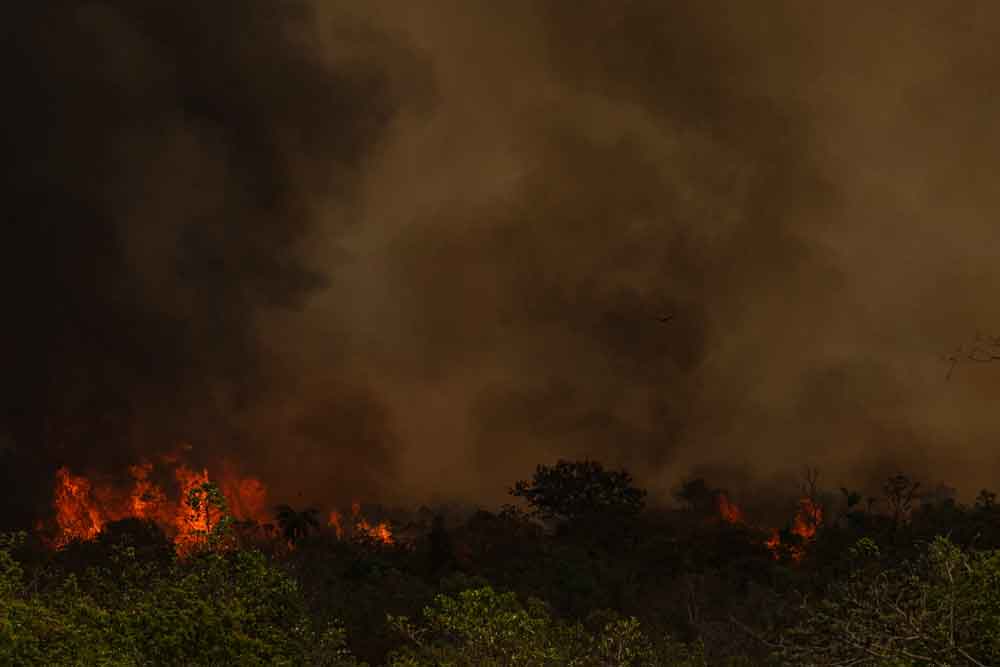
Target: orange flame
[[147, 500], [807, 520], [805, 525], [82, 508], [191, 523], [76, 513], [377, 532]]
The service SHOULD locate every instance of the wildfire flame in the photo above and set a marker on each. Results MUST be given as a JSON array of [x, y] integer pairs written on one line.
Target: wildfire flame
[[83, 507], [807, 520], [147, 499], [806, 523], [191, 523], [378, 532], [75, 512]]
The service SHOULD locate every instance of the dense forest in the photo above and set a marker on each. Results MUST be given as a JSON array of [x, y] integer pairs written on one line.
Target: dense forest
[[578, 570]]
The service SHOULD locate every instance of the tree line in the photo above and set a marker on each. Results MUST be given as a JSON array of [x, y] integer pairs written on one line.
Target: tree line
[[577, 570]]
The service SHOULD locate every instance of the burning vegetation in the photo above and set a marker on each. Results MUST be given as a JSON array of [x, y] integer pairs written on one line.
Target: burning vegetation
[[162, 493], [359, 527], [82, 507], [612, 570], [791, 542], [172, 495]]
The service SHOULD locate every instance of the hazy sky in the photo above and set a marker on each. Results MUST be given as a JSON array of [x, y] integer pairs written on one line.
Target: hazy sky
[[406, 250]]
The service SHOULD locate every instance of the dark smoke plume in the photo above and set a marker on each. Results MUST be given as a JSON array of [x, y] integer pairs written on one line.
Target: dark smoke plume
[[407, 250], [164, 164]]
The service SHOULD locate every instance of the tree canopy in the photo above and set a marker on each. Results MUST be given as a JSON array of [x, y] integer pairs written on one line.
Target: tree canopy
[[573, 490]]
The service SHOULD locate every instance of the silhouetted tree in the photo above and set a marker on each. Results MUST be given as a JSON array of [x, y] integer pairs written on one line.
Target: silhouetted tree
[[900, 492], [571, 490], [442, 549], [697, 495], [986, 501], [296, 525], [853, 513]]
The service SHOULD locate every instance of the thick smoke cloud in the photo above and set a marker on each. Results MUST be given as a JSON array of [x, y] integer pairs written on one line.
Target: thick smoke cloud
[[405, 251], [164, 165], [783, 180]]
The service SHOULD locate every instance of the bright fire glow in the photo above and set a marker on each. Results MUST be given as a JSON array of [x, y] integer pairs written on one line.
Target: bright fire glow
[[806, 523], [377, 532], [83, 506], [75, 511]]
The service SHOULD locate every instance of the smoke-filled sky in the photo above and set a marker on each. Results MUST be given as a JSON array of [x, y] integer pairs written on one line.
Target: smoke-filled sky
[[406, 250]]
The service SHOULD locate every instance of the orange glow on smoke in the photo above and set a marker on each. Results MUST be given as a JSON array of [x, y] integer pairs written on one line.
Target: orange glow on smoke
[[245, 496], [82, 506]]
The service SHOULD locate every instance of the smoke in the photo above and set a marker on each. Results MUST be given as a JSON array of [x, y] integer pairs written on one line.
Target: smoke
[[165, 164], [409, 250]]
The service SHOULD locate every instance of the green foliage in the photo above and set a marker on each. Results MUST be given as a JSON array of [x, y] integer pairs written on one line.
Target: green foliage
[[478, 627], [877, 587], [940, 608], [573, 490], [211, 609], [492, 629]]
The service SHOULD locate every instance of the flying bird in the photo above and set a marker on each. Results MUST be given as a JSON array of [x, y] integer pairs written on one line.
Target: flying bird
[[665, 318]]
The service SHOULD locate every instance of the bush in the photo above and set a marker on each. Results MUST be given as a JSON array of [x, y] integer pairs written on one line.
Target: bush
[[483, 627], [942, 607], [217, 608]]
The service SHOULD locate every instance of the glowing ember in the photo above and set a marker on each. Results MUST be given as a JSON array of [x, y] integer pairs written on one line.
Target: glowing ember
[[728, 510], [337, 524], [773, 543], [378, 532], [807, 519], [361, 527]]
